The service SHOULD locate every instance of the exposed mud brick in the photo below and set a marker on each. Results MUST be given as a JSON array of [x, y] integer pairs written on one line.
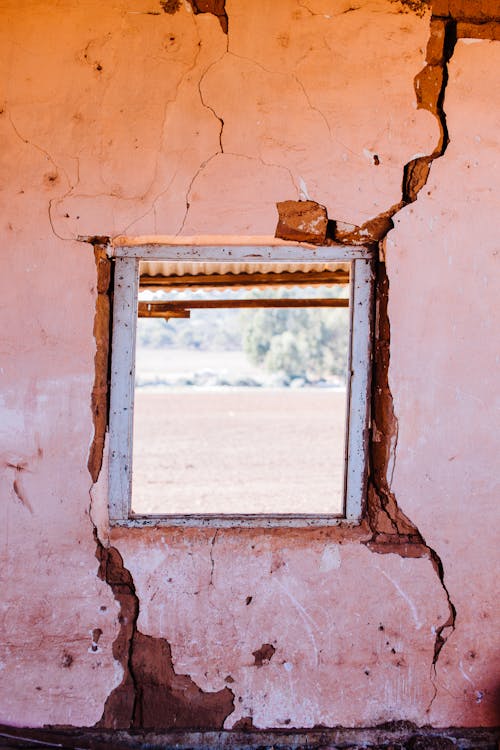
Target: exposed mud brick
[[467, 30], [264, 654], [216, 7], [428, 85], [99, 400], [245, 724], [415, 176], [165, 699], [387, 521], [435, 45], [103, 267], [302, 221], [372, 231], [119, 706], [151, 694], [478, 9]]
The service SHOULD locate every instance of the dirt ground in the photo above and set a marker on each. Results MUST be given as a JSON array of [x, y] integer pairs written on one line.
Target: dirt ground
[[239, 451]]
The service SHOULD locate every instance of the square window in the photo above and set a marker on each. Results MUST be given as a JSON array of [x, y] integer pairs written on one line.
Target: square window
[[248, 371]]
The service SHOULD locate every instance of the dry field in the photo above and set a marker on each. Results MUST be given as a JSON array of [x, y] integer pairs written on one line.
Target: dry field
[[238, 451]]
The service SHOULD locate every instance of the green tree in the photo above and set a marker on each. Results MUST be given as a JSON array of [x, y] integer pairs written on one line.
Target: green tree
[[302, 342]]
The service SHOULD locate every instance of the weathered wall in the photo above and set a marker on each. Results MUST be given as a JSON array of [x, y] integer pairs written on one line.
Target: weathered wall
[[128, 118]]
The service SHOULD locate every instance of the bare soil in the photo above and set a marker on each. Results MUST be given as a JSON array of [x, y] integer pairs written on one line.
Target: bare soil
[[239, 451]]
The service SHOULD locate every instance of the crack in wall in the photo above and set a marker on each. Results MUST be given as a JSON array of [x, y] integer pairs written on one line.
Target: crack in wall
[[212, 560], [166, 105], [264, 163], [392, 530], [212, 156], [190, 187], [50, 178], [215, 7], [151, 694]]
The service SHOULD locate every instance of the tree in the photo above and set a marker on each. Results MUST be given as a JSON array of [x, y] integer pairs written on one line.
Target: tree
[[302, 342]]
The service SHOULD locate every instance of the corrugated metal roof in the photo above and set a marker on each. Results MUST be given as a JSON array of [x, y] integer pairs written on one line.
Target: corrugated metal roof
[[192, 268]]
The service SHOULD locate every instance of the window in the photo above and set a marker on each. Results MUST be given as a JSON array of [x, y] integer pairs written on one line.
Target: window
[[312, 282]]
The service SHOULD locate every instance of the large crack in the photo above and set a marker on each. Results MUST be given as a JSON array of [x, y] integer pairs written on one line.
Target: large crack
[[151, 694], [102, 336], [392, 530]]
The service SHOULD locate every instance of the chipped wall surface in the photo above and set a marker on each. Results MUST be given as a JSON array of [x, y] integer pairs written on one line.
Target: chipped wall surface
[[148, 118], [446, 395]]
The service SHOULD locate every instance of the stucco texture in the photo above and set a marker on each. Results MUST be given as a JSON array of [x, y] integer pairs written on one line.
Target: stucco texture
[[121, 118]]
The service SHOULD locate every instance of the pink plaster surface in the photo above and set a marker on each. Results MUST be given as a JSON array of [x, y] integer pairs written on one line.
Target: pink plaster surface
[[135, 132], [51, 599], [111, 124], [353, 631], [445, 374]]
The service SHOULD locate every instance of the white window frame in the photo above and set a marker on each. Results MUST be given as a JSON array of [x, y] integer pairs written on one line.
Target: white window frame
[[127, 258]]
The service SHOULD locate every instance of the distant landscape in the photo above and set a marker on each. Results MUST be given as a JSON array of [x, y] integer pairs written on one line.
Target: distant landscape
[[241, 412], [254, 348]]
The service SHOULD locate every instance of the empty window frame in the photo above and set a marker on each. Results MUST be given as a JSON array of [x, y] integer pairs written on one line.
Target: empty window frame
[[128, 258]]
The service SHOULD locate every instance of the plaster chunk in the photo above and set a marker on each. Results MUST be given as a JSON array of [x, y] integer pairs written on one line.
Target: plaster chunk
[[302, 221]]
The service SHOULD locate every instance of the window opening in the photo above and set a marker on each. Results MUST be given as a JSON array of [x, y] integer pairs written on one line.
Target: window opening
[[241, 389], [245, 399]]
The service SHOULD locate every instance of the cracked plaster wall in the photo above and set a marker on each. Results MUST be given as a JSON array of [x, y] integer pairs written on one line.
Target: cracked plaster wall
[[196, 131], [446, 396]]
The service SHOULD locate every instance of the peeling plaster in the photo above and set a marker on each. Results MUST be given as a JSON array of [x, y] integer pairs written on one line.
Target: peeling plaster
[[151, 693], [430, 92], [216, 7], [102, 335], [391, 530]]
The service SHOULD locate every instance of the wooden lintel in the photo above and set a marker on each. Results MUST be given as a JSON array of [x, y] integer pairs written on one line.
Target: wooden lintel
[[179, 308], [146, 310], [236, 281]]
